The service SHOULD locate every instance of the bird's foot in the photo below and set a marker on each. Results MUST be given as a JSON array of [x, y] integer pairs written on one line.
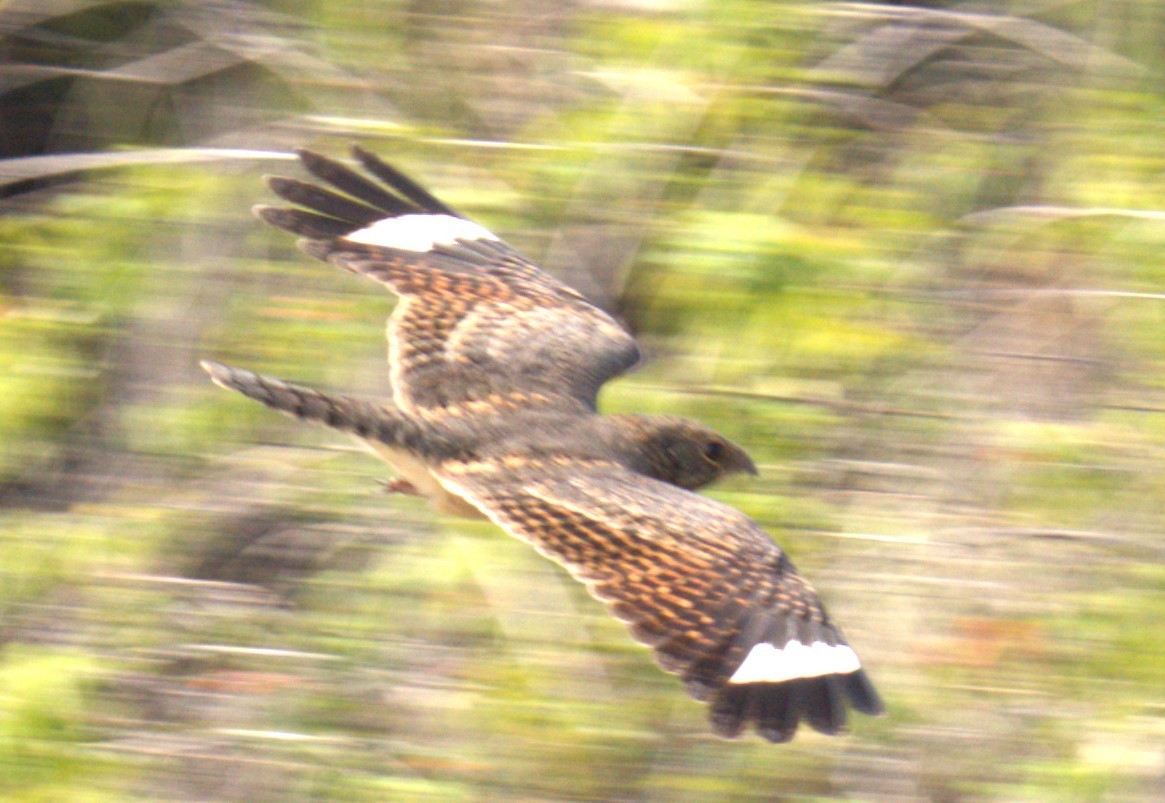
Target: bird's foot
[[400, 485]]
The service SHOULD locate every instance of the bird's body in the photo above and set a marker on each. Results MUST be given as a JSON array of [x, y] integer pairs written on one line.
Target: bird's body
[[495, 369]]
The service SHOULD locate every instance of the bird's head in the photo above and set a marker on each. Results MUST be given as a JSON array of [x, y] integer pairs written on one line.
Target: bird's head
[[685, 453]]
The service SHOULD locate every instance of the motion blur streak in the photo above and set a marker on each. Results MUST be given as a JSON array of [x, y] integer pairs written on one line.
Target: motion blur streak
[[908, 257]]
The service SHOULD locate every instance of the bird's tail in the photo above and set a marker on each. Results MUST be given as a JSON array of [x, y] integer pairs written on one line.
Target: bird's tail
[[367, 419]]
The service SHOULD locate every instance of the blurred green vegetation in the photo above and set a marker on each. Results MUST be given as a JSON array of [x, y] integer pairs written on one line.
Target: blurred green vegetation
[[910, 257]]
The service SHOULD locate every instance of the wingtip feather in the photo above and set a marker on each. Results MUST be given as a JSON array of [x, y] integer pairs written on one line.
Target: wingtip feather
[[316, 163], [267, 213], [862, 694], [316, 248]]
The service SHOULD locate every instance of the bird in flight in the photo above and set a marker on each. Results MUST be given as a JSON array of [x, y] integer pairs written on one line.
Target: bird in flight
[[495, 369]]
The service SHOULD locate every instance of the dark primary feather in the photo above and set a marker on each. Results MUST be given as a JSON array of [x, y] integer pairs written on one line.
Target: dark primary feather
[[323, 201], [360, 201], [401, 183], [306, 224], [347, 180], [697, 581]]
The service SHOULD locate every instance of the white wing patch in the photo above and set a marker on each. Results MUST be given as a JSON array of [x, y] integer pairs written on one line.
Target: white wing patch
[[768, 664], [420, 233]]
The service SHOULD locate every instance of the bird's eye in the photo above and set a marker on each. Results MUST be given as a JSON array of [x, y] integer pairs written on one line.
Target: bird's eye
[[714, 450]]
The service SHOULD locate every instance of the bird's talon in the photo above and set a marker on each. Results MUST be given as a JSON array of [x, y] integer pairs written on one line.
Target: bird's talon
[[400, 486]]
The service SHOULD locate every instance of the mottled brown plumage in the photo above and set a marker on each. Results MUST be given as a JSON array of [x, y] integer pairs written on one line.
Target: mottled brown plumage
[[495, 369]]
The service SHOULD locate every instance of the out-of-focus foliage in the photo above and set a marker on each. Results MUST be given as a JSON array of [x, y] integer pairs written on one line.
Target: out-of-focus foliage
[[908, 255]]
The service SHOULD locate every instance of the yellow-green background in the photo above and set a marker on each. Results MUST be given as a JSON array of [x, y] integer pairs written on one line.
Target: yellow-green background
[[910, 257]]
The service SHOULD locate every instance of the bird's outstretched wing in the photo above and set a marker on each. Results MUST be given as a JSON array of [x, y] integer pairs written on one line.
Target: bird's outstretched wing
[[698, 581], [478, 328]]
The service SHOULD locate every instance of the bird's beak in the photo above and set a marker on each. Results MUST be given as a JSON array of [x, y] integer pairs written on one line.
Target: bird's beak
[[741, 462]]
